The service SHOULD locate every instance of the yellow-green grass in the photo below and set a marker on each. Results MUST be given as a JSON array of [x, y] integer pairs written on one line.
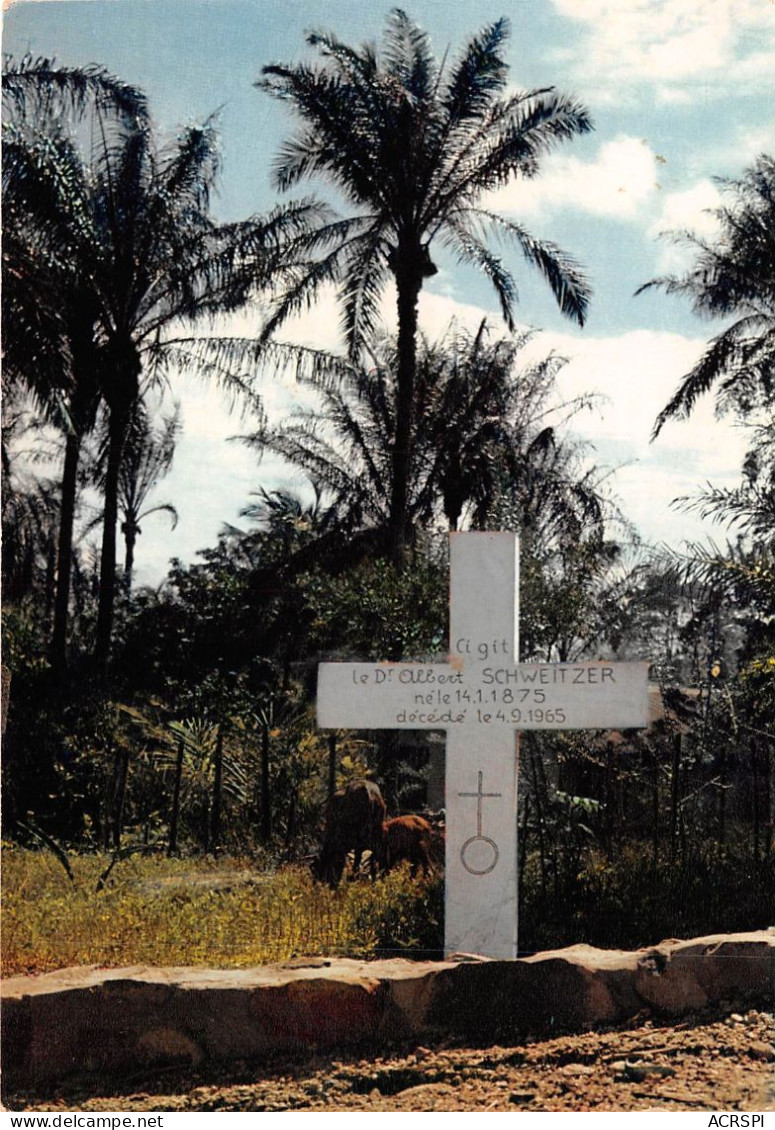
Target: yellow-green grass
[[221, 913]]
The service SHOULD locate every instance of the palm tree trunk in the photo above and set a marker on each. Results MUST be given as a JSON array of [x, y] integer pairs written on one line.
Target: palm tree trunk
[[107, 594], [121, 382], [409, 284], [65, 552], [130, 530], [51, 577]]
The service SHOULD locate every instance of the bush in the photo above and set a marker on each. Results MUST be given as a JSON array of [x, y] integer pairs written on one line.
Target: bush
[[628, 902]]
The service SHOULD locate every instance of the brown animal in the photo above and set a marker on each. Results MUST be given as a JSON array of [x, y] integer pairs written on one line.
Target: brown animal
[[354, 823], [410, 838]]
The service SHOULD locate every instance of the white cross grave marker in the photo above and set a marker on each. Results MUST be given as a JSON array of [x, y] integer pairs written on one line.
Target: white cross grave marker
[[482, 697]]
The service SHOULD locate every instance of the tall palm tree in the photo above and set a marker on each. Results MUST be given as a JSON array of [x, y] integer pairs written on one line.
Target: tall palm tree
[[127, 228], [147, 458], [733, 277], [48, 314], [414, 146]]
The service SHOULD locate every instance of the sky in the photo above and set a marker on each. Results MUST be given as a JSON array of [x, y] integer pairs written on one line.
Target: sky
[[680, 93]]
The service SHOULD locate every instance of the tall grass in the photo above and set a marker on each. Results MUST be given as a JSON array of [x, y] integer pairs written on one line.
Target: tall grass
[[183, 912], [231, 913]]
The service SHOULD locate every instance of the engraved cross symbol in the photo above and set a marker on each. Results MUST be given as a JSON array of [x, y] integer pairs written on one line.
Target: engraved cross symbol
[[471, 856]]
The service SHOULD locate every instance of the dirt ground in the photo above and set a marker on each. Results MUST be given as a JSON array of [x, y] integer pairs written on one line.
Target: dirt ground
[[703, 1063]]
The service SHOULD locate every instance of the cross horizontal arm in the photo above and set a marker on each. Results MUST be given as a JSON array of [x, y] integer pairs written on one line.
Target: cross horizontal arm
[[516, 696]]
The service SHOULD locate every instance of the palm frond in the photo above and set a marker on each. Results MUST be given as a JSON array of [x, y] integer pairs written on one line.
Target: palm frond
[[161, 508], [339, 140], [741, 359], [509, 141], [39, 87], [733, 275], [567, 281], [407, 56], [472, 250], [365, 279], [311, 276], [479, 75]]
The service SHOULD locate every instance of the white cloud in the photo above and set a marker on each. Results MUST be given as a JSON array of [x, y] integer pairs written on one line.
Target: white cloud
[[616, 184], [637, 373], [681, 46], [733, 153], [689, 211]]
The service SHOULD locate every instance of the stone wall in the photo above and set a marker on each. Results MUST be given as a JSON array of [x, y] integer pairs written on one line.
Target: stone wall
[[87, 1021]]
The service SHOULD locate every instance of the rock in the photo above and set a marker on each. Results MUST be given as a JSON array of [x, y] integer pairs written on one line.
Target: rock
[[759, 1050], [637, 1072], [575, 1069], [115, 1021]]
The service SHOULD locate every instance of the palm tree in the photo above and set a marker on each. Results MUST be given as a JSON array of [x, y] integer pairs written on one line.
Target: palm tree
[[482, 426], [147, 458], [48, 314], [480, 433], [414, 146], [733, 277], [30, 512], [127, 229]]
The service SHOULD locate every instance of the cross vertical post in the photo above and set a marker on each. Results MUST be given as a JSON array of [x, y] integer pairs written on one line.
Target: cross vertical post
[[480, 903]]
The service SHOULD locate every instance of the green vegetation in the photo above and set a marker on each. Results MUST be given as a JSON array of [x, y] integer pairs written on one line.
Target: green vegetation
[[228, 913], [628, 903], [170, 732], [183, 912]]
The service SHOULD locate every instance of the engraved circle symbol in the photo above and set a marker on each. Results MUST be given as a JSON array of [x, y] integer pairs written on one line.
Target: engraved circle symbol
[[492, 847]]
